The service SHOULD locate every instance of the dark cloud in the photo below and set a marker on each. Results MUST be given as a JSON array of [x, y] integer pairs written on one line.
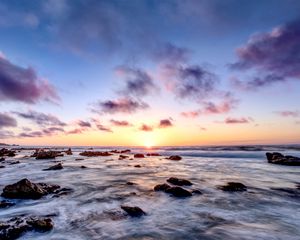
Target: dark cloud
[[103, 128], [23, 84], [146, 128], [119, 123], [230, 120], [7, 121], [32, 134], [121, 105], [84, 124], [274, 55], [41, 118], [164, 123], [289, 113], [138, 82], [46, 132]]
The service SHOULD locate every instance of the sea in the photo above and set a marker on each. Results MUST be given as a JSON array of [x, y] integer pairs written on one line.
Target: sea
[[269, 209]]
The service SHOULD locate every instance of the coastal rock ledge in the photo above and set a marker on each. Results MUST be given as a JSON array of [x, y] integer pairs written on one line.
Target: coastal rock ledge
[[278, 158]]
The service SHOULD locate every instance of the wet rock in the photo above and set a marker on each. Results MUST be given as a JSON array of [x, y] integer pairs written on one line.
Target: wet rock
[[179, 181], [16, 227], [162, 187], [62, 192], [95, 154], [139, 155], [14, 162], [234, 187], [7, 152], [1, 166], [54, 167], [25, 189], [41, 154], [79, 159], [174, 158], [153, 154], [83, 167], [2, 159], [196, 191], [121, 157], [133, 211], [131, 183], [137, 166], [278, 158], [6, 204], [69, 152], [178, 192]]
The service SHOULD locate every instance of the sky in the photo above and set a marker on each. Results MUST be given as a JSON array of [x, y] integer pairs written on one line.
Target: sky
[[149, 72]]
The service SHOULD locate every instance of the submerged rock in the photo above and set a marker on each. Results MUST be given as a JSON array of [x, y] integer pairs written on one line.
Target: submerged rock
[[133, 211], [14, 162], [16, 227], [234, 187], [83, 166], [54, 167], [5, 204], [137, 166], [95, 154], [121, 157], [178, 192], [162, 187], [278, 158], [2, 159], [179, 181], [139, 155], [153, 154], [175, 158], [25, 189]]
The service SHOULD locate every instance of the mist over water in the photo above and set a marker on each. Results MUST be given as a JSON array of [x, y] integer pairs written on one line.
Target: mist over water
[[92, 210]]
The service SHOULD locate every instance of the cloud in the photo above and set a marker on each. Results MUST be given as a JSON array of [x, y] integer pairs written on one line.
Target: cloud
[[75, 131], [84, 124], [288, 113], [6, 134], [121, 105], [33, 134], [138, 82], [46, 132], [122, 123], [274, 55], [190, 114], [23, 85], [7, 121], [146, 128], [242, 120], [164, 123], [103, 128], [170, 53], [41, 119]]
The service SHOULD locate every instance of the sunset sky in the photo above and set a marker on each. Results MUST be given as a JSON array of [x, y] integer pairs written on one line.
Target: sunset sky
[[149, 72]]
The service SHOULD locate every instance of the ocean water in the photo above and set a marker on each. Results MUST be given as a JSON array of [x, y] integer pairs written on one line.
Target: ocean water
[[92, 210]]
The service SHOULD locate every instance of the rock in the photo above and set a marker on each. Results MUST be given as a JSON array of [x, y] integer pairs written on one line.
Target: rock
[[179, 182], [125, 151], [234, 187], [178, 192], [16, 227], [79, 159], [139, 155], [175, 158], [14, 162], [196, 191], [121, 157], [278, 158], [137, 166], [153, 154], [95, 154], [6, 152], [131, 183], [54, 167], [5, 204], [83, 167], [162, 187], [69, 152], [25, 189], [62, 192], [2, 159], [1, 166], [41, 154], [133, 211]]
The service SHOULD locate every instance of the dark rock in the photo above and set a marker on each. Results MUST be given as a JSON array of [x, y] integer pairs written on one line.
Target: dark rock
[[25, 189], [137, 166], [2, 159], [162, 187], [5, 204], [79, 159], [54, 167], [83, 167], [95, 154], [41, 154], [121, 157], [6, 152], [16, 227], [196, 191], [1, 166], [62, 192], [278, 158], [153, 154], [139, 155], [178, 192], [131, 183], [133, 211], [175, 158], [234, 187], [69, 152], [179, 182], [14, 162]]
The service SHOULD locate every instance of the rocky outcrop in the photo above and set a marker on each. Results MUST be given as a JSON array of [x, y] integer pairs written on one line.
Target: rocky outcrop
[[41, 154], [153, 154], [54, 167], [179, 181], [69, 152], [133, 211], [7, 152], [161, 187], [121, 157], [233, 187], [174, 191], [25, 189], [174, 158], [278, 158], [6, 204], [95, 154], [139, 155], [16, 227]]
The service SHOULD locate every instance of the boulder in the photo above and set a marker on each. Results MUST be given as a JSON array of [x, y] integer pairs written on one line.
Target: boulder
[[137, 166], [121, 157], [139, 155], [54, 167], [174, 158], [278, 158], [2, 159], [95, 154], [233, 187], [133, 211], [153, 154], [7, 152], [41, 154], [162, 187], [178, 192], [25, 189], [69, 152], [179, 181]]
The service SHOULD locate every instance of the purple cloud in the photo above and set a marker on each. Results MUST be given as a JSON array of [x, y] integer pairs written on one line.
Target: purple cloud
[[170, 53], [6, 134], [41, 118], [164, 123], [23, 84], [84, 124], [146, 128], [75, 131], [33, 134], [190, 114], [118, 123], [288, 113], [138, 82], [121, 105], [238, 120], [275, 54], [103, 128], [7, 121]]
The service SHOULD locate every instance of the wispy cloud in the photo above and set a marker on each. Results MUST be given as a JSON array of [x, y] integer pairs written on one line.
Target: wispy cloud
[[121, 123], [288, 113], [241, 120], [7, 121], [146, 128]]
